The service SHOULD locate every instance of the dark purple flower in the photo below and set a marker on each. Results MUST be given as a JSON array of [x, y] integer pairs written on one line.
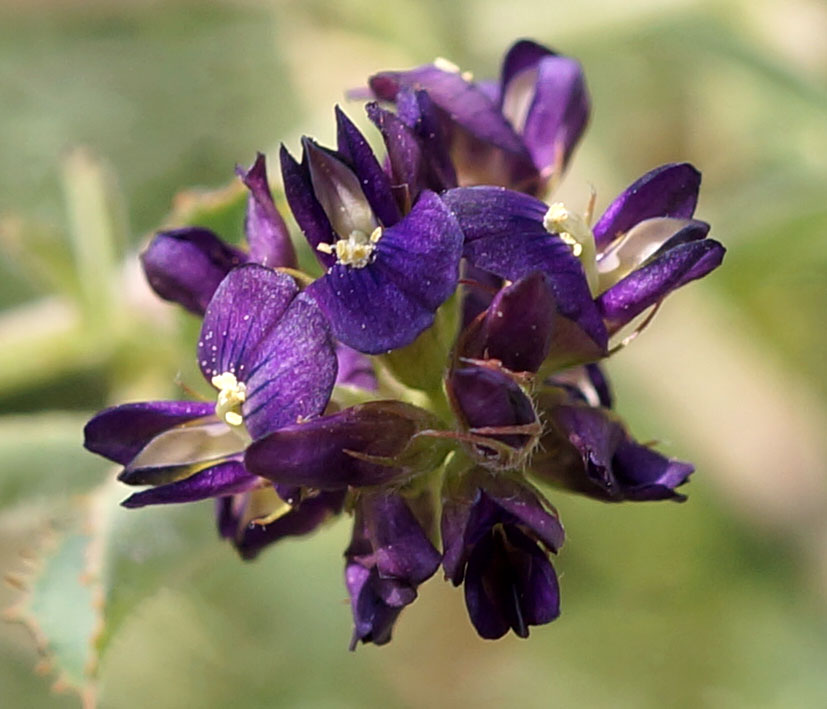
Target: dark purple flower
[[260, 517], [505, 235], [268, 352], [648, 244], [389, 555], [186, 265], [369, 444], [492, 407], [386, 276], [585, 449], [645, 246], [518, 134], [496, 535]]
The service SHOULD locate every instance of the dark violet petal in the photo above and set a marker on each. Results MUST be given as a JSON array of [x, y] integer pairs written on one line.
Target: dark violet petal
[[119, 433], [354, 369], [373, 618], [277, 344], [462, 100], [308, 213], [510, 583], [538, 590], [589, 452], [428, 125], [186, 265], [456, 512], [667, 191], [267, 234], [246, 306], [480, 290], [404, 153], [525, 506], [294, 378], [517, 327], [645, 474], [303, 519], [653, 281], [558, 113], [484, 589], [389, 302], [489, 398], [312, 454], [522, 55], [504, 234], [401, 548], [219, 480], [372, 179]]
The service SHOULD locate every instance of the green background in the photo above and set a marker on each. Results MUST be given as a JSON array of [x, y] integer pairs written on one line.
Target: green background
[[719, 602]]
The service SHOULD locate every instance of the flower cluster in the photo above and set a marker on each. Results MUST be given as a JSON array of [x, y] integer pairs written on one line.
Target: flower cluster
[[443, 364]]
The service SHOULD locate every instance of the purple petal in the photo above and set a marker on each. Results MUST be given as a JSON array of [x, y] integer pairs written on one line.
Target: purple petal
[[504, 234], [401, 548], [593, 455], [373, 618], [523, 54], [278, 345], [517, 327], [186, 265], [646, 474], [558, 112], [525, 506], [404, 153], [652, 282], [373, 180], [223, 479], [303, 519], [667, 191], [464, 102], [119, 433], [389, 302], [510, 583], [418, 111], [267, 234], [488, 398], [313, 454], [308, 213], [354, 369], [485, 589]]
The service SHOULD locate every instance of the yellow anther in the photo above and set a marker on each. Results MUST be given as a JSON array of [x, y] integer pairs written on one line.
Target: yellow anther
[[231, 394], [574, 232], [355, 251], [468, 76]]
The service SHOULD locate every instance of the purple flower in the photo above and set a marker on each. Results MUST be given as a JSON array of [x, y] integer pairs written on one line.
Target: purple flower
[[370, 444], [496, 535], [505, 235], [645, 246], [268, 352], [585, 449], [386, 274], [186, 265], [517, 134], [257, 518], [389, 555]]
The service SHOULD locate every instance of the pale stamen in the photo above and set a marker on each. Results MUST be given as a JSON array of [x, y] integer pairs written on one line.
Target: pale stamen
[[231, 394], [356, 251]]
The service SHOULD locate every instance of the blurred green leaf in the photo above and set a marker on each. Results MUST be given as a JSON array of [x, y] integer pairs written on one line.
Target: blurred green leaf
[[95, 572], [42, 457]]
